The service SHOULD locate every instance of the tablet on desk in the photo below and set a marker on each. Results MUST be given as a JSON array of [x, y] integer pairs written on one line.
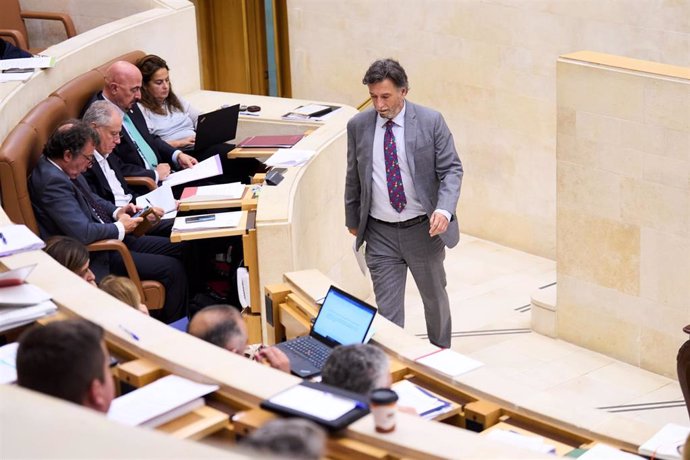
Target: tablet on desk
[[324, 404]]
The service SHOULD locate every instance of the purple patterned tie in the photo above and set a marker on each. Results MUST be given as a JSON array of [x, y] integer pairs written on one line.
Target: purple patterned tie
[[396, 192]]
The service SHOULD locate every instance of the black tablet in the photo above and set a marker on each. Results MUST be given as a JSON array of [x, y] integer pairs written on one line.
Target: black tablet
[[326, 405]]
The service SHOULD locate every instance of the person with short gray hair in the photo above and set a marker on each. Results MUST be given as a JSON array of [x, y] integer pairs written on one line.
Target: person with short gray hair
[[288, 438], [359, 368]]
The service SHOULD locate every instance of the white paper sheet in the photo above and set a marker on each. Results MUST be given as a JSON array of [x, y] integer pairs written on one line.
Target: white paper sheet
[[162, 197], [222, 220], [18, 238], [8, 363], [665, 443], [535, 443], [208, 168], [285, 158], [15, 76], [449, 362], [234, 190], [22, 295], [359, 256], [156, 399], [325, 406], [11, 317], [426, 405], [35, 62]]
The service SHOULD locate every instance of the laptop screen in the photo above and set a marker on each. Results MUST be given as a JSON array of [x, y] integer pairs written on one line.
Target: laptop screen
[[343, 318]]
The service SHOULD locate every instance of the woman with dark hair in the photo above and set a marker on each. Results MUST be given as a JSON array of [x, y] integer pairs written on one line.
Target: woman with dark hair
[[167, 116], [173, 119], [71, 254]]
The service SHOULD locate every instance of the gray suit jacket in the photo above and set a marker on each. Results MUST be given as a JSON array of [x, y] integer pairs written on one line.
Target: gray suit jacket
[[434, 164]]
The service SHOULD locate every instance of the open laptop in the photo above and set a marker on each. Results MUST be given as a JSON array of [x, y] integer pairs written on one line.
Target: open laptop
[[216, 127], [342, 320]]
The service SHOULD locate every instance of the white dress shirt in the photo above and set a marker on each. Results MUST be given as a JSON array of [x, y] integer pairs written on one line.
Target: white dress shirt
[[121, 198], [381, 207]]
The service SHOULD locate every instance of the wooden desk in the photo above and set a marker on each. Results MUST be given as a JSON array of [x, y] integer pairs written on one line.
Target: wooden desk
[[246, 202], [247, 229], [257, 153], [241, 229], [312, 284]]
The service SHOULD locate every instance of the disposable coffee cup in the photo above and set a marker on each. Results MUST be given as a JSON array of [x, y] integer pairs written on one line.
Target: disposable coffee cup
[[383, 404]]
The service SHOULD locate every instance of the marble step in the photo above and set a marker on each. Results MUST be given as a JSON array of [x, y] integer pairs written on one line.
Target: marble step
[[544, 310]]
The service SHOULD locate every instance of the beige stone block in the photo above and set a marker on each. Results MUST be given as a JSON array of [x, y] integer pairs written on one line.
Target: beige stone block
[[599, 128], [661, 337], [646, 204], [667, 103], [599, 250], [667, 171], [602, 91], [585, 190], [665, 269], [615, 304], [655, 140], [567, 118], [677, 144], [598, 331]]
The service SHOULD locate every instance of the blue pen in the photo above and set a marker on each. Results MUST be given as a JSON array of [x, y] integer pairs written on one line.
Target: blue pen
[[147, 200], [131, 334], [3, 239]]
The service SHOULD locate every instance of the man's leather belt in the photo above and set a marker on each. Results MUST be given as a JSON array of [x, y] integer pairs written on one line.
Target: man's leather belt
[[404, 223]]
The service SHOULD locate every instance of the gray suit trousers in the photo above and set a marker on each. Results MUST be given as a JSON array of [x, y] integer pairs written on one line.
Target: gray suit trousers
[[390, 251]]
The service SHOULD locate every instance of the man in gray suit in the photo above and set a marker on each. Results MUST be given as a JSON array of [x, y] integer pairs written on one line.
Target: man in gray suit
[[401, 190]]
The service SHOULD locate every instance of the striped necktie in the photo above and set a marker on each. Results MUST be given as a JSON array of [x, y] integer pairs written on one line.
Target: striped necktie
[[145, 151]]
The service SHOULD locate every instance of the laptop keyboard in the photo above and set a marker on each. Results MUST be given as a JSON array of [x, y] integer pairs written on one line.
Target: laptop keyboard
[[311, 349]]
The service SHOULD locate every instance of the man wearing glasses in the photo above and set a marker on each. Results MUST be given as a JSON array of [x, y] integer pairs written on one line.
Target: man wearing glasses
[[65, 205], [141, 153]]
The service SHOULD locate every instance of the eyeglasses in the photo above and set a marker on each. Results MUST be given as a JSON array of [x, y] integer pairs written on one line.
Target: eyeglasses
[[91, 158], [115, 134]]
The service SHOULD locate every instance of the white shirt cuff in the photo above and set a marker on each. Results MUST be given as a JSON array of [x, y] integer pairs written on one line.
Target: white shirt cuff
[[443, 212], [176, 154], [120, 230]]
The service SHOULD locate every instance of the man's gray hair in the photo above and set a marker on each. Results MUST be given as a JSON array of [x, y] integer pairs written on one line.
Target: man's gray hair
[[359, 368], [288, 438], [99, 113]]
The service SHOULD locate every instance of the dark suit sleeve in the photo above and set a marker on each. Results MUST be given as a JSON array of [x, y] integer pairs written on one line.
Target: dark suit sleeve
[[58, 202], [353, 186]]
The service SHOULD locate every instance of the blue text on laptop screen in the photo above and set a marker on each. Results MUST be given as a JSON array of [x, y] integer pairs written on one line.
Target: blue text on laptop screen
[[343, 319]]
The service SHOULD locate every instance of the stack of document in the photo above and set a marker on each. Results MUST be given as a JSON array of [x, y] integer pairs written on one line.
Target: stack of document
[[284, 158], [22, 68], [315, 112], [21, 303], [427, 405], [232, 191], [159, 402], [18, 238], [207, 221]]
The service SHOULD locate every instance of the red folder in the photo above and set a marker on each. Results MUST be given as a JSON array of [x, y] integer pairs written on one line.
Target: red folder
[[271, 141]]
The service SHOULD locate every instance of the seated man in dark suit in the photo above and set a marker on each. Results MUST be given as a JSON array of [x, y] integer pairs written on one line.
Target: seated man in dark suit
[[141, 153], [68, 360], [106, 178], [64, 205]]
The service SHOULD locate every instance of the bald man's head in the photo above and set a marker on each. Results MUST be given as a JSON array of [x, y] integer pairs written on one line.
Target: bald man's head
[[221, 325], [122, 84]]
